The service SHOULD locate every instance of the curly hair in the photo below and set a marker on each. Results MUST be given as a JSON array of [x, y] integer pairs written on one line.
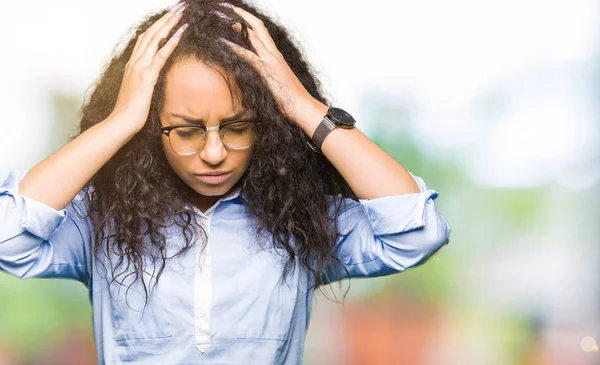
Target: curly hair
[[136, 195]]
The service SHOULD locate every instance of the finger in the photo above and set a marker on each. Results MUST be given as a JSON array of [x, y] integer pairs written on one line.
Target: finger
[[165, 52], [174, 11], [220, 15], [235, 24], [257, 25], [259, 46], [145, 38], [244, 53], [137, 46], [162, 33]]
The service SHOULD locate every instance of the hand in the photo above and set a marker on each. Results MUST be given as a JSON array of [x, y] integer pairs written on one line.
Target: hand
[[144, 66], [292, 97]]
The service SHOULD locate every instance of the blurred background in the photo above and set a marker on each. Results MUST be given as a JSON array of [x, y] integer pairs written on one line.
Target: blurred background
[[495, 104]]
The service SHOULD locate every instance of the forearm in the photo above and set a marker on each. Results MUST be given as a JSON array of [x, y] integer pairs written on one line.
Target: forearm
[[369, 170], [56, 180]]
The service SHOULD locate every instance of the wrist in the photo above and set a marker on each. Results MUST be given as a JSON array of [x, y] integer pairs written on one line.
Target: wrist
[[310, 116], [119, 123], [334, 118]]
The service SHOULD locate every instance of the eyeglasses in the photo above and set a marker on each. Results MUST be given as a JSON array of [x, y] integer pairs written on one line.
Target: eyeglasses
[[188, 139]]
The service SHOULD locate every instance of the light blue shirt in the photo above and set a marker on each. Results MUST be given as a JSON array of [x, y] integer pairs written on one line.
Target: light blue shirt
[[227, 304]]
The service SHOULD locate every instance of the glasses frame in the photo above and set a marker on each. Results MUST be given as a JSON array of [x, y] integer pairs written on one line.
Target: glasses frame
[[167, 131]]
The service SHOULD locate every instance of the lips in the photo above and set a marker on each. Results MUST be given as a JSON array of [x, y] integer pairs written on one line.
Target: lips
[[214, 173], [213, 178]]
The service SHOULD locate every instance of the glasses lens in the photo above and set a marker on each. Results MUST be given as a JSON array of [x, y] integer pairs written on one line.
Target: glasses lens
[[187, 140], [239, 135]]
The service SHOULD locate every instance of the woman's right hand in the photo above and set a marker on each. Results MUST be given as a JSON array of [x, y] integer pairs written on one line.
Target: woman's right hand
[[143, 69]]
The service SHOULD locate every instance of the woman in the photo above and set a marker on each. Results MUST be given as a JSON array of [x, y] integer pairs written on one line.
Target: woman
[[201, 247]]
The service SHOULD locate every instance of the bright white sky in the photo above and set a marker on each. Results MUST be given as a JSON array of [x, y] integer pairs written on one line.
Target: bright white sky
[[506, 85]]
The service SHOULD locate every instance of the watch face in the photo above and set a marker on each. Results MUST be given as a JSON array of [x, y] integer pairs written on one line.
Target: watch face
[[341, 116]]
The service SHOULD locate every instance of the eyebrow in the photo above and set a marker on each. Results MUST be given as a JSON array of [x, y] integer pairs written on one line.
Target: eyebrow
[[201, 121]]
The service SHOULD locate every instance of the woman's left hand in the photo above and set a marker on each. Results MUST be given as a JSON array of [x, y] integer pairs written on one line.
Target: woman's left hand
[[292, 97]]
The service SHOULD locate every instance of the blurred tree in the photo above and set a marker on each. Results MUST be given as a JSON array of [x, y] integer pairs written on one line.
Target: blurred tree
[[35, 311]]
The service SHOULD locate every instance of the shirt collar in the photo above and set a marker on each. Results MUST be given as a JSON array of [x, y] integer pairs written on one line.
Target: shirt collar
[[234, 194]]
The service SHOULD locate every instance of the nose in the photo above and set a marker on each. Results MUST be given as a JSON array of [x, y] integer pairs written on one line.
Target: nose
[[214, 151]]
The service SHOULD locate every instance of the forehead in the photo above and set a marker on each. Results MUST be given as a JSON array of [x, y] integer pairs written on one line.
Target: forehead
[[201, 90]]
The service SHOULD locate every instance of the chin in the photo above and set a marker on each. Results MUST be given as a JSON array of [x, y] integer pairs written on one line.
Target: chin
[[205, 190], [212, 192]]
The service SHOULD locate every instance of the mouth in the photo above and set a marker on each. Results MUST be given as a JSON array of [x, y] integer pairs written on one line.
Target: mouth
[[216, 178]]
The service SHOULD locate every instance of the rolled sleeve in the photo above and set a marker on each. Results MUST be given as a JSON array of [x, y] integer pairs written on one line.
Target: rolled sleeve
[[387, 235], [37, 218], [37, 240], [397, 213]]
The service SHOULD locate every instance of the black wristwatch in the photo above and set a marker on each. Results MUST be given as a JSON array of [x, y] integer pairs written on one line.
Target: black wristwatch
[[334, 118]]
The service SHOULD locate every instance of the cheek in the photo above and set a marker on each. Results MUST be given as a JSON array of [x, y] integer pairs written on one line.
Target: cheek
[[166, 145], [174, 160], [171, 156], [247, 159]]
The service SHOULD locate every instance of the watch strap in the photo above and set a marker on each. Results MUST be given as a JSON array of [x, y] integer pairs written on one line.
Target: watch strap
[[322, 131]]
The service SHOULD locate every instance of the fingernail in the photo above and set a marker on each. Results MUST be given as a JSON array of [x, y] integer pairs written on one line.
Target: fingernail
[[180, 10], [225, 41], [227, 5], [180, 30], [177, 6], [221, 15]]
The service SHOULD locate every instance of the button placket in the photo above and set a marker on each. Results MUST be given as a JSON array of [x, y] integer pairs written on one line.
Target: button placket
[[203, 290]]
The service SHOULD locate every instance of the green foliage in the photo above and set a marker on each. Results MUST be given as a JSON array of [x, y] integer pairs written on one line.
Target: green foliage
[[35, 310]]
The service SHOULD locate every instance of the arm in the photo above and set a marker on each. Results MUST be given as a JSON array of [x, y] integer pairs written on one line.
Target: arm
[[395, 225], [57, 179], [39, 237], [358, 159], [387, 235]]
